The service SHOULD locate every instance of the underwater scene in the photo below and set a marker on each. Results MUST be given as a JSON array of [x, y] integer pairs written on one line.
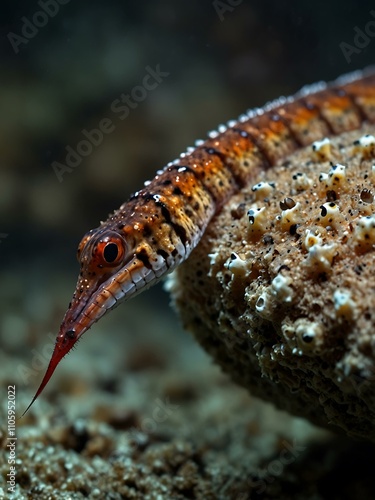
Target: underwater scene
[[152, 160]]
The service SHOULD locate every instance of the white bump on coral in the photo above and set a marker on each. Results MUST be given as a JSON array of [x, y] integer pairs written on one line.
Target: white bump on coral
[[320, 256], [365, 145], [280, 288], [343, 303], [331, 215], [262, 305], [308, 334], [322, 149], [236, 265], [262, 189], [364, 233], [312, 239], [297, 351], [213, 258], [337, 174], [277, 349], [335, 177], [300, 182], [258, 219], [290, 216]]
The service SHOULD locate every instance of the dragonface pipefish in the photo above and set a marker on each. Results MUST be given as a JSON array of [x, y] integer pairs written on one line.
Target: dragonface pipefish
[[158, 227]]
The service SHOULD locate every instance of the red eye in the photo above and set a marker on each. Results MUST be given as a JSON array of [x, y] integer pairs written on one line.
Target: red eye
[[101, 249], [110, 251]]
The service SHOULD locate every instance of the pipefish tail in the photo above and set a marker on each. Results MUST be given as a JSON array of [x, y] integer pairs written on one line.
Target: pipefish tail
[[158, 227]]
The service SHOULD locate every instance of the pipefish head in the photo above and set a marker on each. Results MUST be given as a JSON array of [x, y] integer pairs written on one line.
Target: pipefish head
[[115, 264]]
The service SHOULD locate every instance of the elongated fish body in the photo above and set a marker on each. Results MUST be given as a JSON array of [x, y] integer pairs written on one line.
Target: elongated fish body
[[158, 227]]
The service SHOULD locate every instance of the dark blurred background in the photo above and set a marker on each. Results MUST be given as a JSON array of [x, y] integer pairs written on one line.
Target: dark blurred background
[[222, 58]]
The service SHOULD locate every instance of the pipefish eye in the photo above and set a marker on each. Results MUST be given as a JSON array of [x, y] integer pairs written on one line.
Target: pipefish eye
[[110, 250]]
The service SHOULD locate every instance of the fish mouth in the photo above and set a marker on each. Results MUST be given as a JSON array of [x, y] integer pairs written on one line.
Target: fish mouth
[[90, 306], [101, 296], [75, 323], [81, 312]]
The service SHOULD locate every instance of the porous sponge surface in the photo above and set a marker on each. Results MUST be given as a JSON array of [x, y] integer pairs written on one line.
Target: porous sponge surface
[[281, 289]]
